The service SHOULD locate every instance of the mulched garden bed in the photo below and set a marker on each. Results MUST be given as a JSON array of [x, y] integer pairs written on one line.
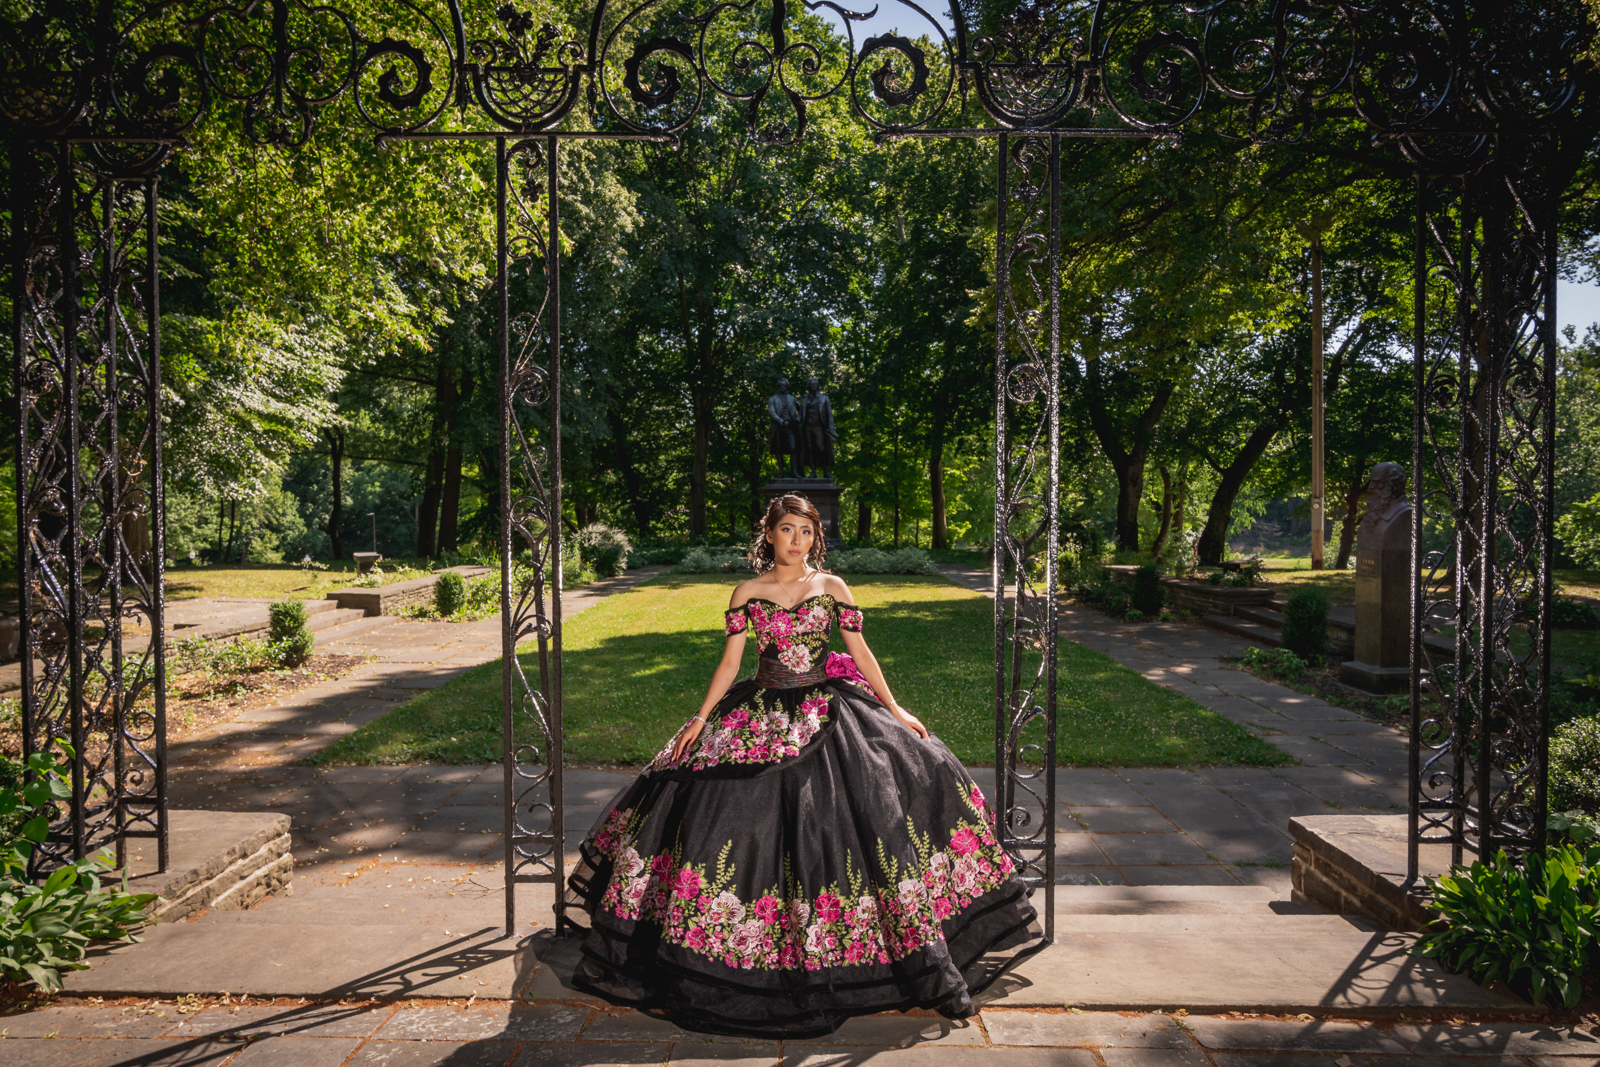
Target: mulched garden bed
[[197, 701]]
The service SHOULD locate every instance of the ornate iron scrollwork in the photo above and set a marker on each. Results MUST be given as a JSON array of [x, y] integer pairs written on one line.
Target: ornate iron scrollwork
[[89, 489], [1027, 493], [530, 515]]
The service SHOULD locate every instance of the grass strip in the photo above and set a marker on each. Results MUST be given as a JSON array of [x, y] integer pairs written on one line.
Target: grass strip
[[638, 662]]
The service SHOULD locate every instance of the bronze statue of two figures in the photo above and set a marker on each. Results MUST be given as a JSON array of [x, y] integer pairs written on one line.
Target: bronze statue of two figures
[[802, 432]]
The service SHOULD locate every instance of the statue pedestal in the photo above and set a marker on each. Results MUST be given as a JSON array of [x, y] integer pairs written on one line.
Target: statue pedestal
[[1382, 662], [823, 494]]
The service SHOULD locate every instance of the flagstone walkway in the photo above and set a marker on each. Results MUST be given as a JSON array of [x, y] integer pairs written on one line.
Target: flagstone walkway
[[461, 1034]]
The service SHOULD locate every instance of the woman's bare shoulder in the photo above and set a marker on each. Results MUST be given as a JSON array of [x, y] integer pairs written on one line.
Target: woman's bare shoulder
[[743, 592], [835, 587]]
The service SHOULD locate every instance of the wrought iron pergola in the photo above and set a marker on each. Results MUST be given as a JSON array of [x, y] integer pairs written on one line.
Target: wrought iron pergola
[[1479, 99]]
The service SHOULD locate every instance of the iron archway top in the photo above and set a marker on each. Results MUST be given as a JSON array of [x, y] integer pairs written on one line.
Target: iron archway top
[[1429, 75]]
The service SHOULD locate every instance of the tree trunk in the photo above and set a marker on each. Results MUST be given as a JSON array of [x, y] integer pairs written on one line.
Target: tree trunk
[[1128, 462], [336, 512], [1214, 538], [700, 471], [863, 521], [1166, 514], [450, 500], [428, 513], [136, 539], [222, 515], [1347, 534], [936, 488], [233, 529]]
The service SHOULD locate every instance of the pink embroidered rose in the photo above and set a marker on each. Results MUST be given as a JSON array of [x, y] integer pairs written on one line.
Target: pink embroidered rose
[[686, 884], [726, 909], [942, 908], [828, 908], [695, 938], [736, 718], [629, 862], [964, 842], [850, 619], [768, 908], [735, 621], [661, 866], [796, 658], [779, 624], [976, 796]]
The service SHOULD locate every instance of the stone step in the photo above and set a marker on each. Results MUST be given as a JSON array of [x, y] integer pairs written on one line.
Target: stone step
[[1239, 627], [318, 607], [1265, 615], [332, 619], [359, 623]]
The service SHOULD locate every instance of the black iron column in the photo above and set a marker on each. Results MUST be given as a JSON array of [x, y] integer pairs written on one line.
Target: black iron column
[[1483, 464], [1027, 492]]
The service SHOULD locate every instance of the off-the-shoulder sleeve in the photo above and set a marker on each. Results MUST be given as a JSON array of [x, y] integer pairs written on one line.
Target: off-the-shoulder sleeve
[[735, 620], [850, 617]]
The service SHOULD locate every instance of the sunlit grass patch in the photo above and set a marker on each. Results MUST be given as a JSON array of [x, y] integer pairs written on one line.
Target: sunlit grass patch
[[638, 663]]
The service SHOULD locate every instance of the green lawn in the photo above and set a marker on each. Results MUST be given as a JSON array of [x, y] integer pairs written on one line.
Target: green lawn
[[638, 664]]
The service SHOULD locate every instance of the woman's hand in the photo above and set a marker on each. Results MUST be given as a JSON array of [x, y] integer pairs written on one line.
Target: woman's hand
[[687, 737], [910, 721]]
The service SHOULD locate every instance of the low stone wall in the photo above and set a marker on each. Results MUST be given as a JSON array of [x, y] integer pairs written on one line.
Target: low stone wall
[[1356, 865], [220, 861], [388, 599], [1204, 598]]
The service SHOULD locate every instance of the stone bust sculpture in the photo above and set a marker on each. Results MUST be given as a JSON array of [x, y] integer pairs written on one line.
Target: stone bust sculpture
[[817, 430], [784, 432], [1386, 500]]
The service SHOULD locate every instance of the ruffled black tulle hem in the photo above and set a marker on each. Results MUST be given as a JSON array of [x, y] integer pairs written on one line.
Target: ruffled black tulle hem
[[989, 939]]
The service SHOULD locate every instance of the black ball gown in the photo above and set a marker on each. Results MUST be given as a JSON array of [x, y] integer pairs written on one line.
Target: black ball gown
[[808, 860]]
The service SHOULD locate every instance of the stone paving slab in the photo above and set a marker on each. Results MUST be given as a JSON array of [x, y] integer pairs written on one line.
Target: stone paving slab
[[460, 1032], [1357, 970]]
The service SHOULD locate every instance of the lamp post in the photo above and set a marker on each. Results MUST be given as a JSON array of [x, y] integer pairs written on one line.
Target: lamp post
[[1313, 229], [373, 515]]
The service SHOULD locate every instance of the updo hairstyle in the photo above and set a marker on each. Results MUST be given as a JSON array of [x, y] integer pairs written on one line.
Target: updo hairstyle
[[761, 555]]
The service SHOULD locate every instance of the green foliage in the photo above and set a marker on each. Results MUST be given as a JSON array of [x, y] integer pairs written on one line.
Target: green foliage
[[1247, 574], [1145, 594], [1572, 827], [1133, 615], [1532, 927], [1275, 662], [1569, 614], [46, 929], [1579, 531], [1305, 622], [449, 593], [881, 561], [703, 560], [1116, 600], [287, 632], [604, 548], [1575, 766]]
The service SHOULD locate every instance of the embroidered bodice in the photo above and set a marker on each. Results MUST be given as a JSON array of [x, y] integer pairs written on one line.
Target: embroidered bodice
[[797, 637]]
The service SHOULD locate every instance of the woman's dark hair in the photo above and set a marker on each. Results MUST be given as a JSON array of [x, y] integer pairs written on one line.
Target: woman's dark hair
[[761, 555]]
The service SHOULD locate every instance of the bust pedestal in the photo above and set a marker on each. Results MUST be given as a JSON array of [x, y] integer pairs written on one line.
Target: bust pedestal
[[824, 496], [1383, 607]]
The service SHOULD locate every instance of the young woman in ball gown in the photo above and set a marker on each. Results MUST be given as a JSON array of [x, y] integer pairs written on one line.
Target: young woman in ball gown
[[803, 850]]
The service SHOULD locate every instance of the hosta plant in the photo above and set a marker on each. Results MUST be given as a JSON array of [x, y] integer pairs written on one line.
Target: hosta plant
[[1532, 927], [47, 928]]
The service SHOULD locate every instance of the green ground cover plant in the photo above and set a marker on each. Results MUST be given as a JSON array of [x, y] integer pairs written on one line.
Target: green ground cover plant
[[637, 665], [1531, 925], [47, 928]]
